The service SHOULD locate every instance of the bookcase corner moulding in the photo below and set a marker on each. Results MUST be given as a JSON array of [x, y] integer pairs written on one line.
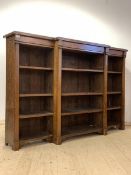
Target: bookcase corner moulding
[[59, 88]]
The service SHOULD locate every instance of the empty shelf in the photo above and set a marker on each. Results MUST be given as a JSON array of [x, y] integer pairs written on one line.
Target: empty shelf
[[80, 111], [81, 70], [79, 130], [113, 125], [81, 93], [114, 72], [23, 116], [35, 68], [29, 139], [114, 108], [36, 95], [118, 92]]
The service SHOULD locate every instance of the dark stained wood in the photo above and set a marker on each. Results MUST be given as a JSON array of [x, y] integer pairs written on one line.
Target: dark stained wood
[[29, 94], [81, 70], [117, 92], [122, 124], [80, 111], [81, 82], [27, 34], [38, 138], [16, 120], [36, 115], [80, 45], [32, 105], [114, 100], [35, 95], [81, 124], [105, 94], [35, 68], [114, 72], [58, 88], [81, 60], [115, 64], [81, 42], [116, 88], [12, 94], [31, 39], [114, 118], [82, 76], [81, 93], [35, 82], [117, 52], [114, 108], [57, 94], [73, 132]]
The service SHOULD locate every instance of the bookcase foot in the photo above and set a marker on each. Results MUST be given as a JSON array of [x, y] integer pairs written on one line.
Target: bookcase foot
[[58, 141], [105, 132], [6, 143], [121, 127], [16, 147]]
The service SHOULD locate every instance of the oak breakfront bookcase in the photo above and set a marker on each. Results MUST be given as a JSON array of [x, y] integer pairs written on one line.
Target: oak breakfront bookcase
[[58, 88]]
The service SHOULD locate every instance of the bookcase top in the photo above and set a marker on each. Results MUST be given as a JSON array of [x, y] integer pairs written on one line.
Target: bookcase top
[[61, 39], [28, 34]]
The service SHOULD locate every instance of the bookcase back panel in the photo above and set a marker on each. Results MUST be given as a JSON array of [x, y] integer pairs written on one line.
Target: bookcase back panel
[[114, 83], [81, 102], [114, 117], [30, 105], [81, 60], [115, 63], [82, 82], [114, 100], [34, 127], [32, 81], [36, 56]]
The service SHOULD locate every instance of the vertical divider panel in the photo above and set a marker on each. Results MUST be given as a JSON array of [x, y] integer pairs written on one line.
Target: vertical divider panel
[[122, 125], [16, 129], [57, 93], [105, 92]]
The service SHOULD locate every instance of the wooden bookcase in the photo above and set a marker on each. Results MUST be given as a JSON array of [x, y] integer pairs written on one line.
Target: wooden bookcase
[[29, 89], [58, 88]]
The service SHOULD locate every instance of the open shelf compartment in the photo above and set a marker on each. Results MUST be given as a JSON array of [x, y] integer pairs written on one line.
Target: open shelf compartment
[[82, 60], [78, 82], [114, 102], [81, 105], [76, 125], [36, 107], [35, 82], [35, 57], [35, 129], [114, 118], [115, 64], [114, 83]]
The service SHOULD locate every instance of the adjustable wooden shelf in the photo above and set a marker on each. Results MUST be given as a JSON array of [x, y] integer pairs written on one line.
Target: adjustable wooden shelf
[[58, 88]]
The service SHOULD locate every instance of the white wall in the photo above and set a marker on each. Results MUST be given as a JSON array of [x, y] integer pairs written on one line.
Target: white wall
[[101, 21]]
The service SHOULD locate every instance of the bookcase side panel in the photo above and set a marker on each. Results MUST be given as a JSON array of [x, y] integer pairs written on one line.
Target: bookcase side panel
[[12, 94], [122, 126]]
